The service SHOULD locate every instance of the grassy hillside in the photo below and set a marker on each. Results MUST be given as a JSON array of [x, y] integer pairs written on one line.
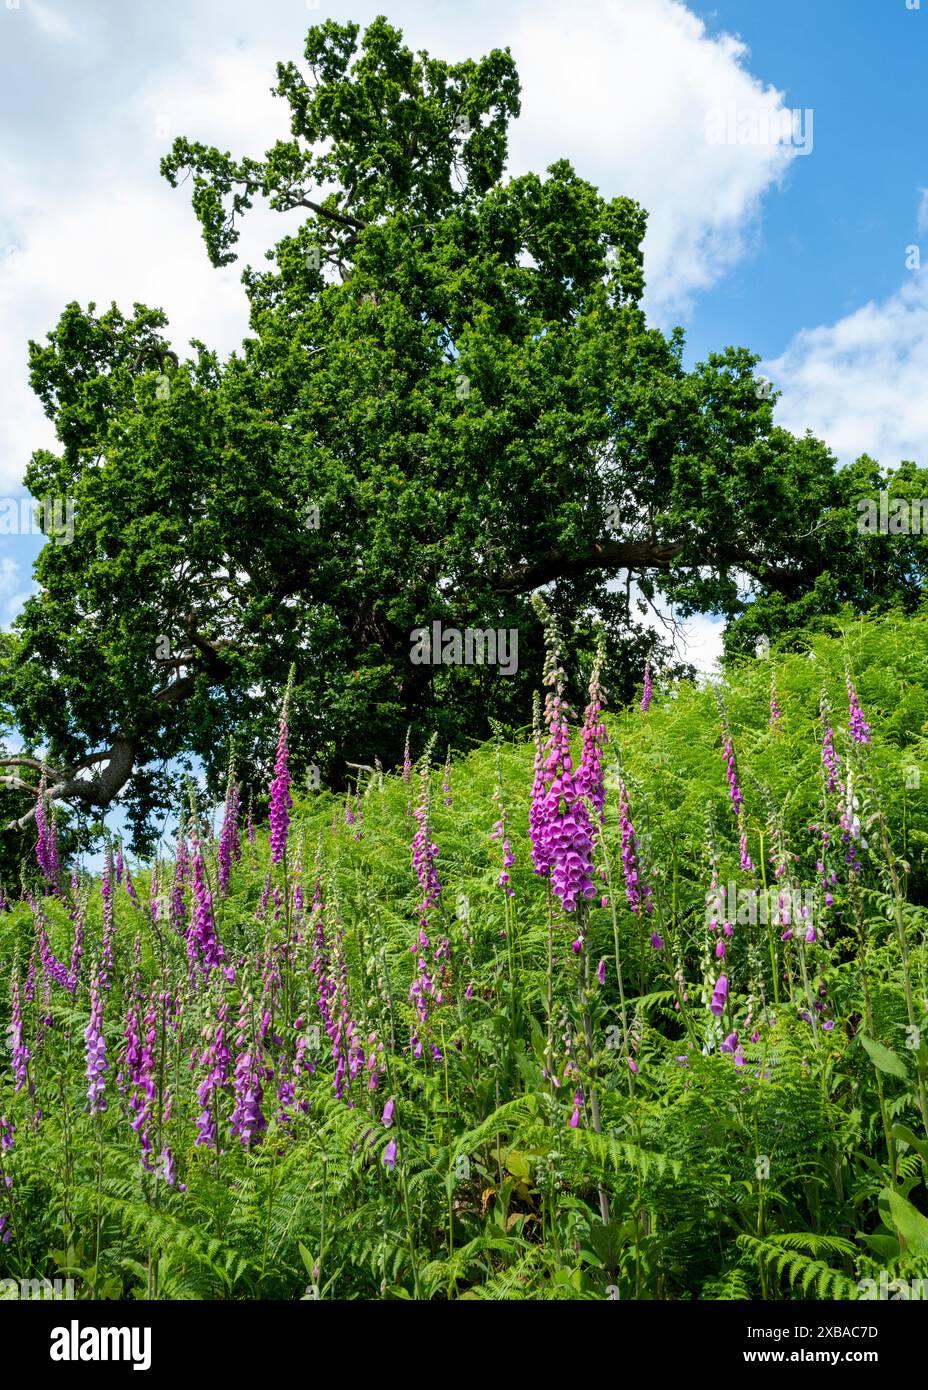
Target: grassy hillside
[[600, 1121]]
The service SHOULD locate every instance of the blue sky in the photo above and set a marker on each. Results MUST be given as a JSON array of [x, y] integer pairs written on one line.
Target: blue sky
[[835, 236], [800, 257]]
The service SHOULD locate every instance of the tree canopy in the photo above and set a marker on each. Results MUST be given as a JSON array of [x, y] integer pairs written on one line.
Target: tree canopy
[[449, 397]]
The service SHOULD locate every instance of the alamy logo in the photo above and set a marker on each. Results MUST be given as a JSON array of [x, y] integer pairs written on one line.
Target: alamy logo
[[50, 516], [12, 1289], [749, 125], [76, 1343], [899, 517], [892, 1289], [438, 646]]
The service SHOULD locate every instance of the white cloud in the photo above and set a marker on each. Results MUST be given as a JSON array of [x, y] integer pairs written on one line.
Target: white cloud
[[224, 99], [52, 23], [9, 574], [13, 606], [625, 92], [859, 383], [701, 643], [123, 234], [697, 639]]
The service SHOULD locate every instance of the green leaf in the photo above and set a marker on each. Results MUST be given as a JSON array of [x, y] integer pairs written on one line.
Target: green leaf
[[518, 1165], [883, 1058], [905, 1136], [539, 1045], [607, 1241], [886, 1248], [909, 1222]]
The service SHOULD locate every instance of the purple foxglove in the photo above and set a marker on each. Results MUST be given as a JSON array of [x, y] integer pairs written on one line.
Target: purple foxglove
[[647, 688], [281, 802], [637, 891], [95, 1042], [719, 996], [46, 850], [860, 729], [229, 848], [19, 1048], [431, 954], [559, 817], [776, 715]]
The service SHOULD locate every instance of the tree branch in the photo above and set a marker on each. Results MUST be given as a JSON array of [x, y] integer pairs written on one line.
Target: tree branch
[[119, 758], [97, 791], [638, 555], [345, 219]]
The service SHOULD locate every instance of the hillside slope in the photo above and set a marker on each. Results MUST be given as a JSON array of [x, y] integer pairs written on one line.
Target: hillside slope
[[390, 1066]]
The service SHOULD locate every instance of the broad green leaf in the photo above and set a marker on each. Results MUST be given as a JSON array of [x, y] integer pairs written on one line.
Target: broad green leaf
[[883, 1058], [518, 1165], [886, 1248], [905, 1135], [909, 1222]]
